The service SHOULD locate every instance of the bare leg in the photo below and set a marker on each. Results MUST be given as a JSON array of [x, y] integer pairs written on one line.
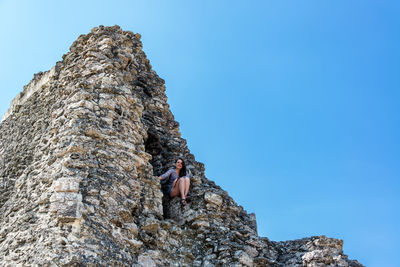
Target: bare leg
[[175, 189], [182, 188], [178, 189], [187, 185]]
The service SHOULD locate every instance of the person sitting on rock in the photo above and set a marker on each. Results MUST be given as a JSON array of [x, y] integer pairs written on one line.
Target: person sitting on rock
[[178, 181]]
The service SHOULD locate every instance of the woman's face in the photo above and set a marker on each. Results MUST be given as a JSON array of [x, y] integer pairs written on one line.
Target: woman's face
[[178, 164]]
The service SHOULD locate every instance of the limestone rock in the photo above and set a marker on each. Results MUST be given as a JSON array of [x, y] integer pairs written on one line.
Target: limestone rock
[[213, 198]]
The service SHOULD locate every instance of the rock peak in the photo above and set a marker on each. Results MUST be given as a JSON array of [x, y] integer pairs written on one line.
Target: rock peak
[[80, 151]]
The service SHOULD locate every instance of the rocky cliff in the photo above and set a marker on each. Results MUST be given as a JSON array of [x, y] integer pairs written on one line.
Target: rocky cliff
[[80, 149]]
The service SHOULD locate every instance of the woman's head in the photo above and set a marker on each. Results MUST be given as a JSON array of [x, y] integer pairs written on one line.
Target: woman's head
[[181, 166]]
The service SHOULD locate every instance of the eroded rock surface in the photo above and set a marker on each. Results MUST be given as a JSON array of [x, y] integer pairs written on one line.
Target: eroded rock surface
[[80, 149]]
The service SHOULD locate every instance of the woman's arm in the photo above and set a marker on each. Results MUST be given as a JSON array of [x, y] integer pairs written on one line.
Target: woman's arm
[[165, 175]]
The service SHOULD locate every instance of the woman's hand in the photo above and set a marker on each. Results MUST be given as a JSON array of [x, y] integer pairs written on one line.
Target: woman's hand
[[176, 180]]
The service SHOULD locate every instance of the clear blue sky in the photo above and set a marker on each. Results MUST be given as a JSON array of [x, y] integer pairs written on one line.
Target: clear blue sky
[[293, 106]]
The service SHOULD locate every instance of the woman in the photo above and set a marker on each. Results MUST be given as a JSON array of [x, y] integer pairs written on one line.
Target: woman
[[178, 181]]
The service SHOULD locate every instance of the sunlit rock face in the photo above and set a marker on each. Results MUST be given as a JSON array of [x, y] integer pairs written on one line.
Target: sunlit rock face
[[80, 151]]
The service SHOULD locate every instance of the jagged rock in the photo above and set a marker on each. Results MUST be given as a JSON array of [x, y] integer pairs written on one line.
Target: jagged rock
[[213, 198], [244, 258], [80, 151]]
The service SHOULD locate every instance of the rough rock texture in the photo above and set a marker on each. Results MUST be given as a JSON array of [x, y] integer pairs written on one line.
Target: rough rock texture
[[80, 149]]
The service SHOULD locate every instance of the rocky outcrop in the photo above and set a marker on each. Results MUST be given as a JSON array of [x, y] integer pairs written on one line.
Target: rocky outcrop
[[80, 151]]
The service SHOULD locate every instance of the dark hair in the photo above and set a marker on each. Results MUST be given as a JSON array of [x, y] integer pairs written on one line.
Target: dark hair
[[182, 171]]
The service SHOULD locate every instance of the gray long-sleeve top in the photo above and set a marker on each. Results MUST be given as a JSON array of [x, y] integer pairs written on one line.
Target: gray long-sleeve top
[[171, 175]]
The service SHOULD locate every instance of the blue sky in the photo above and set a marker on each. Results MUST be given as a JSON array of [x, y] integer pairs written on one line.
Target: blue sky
[[292, 105]]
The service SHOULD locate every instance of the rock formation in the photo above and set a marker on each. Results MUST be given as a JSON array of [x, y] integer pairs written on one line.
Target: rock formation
[[80, 149]]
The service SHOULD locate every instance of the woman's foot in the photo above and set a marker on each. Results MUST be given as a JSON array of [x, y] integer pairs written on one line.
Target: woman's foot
[[183, 201]]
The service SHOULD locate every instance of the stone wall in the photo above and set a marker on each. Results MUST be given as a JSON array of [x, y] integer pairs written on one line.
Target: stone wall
[[39, 80], [81, 149]]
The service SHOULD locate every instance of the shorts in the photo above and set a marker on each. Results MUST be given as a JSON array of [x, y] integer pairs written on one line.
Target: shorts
[[169, 189]]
